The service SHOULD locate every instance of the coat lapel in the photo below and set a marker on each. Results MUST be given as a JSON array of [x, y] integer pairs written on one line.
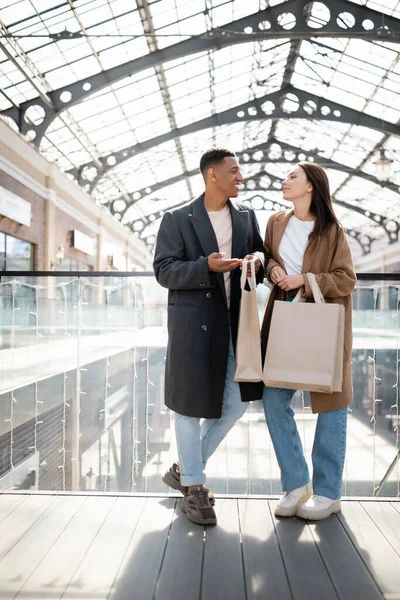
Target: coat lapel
[[240, 228], [205, 233], [309, 255], [202, 226]]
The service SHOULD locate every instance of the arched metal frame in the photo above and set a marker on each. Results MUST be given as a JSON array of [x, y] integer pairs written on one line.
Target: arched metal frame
[[262, 25], [390, 226], [290, 20], [270, 106], [364, 240], [256, 155]]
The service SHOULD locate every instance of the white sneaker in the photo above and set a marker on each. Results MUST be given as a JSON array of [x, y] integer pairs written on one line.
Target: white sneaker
[[318, 508], [287, 505]]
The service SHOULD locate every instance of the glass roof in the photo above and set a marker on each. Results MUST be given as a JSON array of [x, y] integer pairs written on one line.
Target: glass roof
[[102, 34]]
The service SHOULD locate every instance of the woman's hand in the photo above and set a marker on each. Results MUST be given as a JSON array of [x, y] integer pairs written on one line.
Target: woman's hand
[[291, 282], [277, 274]]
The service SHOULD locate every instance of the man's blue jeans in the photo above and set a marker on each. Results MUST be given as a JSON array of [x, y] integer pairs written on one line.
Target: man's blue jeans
[[328, 451], [197, 442]]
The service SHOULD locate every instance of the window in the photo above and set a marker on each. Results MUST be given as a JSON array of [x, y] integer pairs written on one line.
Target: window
[[15, 254]]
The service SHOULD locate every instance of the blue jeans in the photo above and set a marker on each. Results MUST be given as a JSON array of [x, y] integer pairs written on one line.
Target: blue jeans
[[197, 442], [328, 451]]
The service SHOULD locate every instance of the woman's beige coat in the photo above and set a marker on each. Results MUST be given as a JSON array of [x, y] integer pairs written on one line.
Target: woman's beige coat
[[329, 257]]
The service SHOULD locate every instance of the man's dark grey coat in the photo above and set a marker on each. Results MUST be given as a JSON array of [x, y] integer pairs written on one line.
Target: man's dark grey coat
[[198, 316]]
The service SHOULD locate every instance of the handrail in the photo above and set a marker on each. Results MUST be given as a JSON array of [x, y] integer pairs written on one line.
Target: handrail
[[76, 274], [360, 276]]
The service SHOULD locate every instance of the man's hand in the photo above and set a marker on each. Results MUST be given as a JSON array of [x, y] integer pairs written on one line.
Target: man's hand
[[219, 264], [257, 263], [291, 282], [277, 274]]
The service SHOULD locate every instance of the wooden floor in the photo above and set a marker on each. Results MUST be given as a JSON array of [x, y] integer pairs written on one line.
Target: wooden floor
[[143, 548]]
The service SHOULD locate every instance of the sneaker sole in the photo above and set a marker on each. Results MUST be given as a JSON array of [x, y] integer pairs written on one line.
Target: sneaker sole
[[281, 511], [198, 521], [319, 515], [173, 483]]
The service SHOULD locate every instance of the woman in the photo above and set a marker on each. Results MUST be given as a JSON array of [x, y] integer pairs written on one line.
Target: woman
[[309, 239]]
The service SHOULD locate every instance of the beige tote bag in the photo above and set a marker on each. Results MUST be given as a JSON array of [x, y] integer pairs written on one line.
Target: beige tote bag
[[305, 344], [248, 344]]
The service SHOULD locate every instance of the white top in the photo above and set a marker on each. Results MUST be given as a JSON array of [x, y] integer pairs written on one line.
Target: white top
[[294, 243], [221, 221]]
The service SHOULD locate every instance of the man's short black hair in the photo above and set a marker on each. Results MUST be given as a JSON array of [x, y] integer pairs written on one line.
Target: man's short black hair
[[212, 157]]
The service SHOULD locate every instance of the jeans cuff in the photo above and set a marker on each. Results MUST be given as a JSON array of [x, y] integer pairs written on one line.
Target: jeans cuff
[[187, 480], [327, 493], [291, 484]]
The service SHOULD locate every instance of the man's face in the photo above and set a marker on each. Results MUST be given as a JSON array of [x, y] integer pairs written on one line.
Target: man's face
[[226, 176]]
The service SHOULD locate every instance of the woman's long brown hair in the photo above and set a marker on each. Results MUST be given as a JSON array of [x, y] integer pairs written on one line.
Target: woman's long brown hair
[[321, 202]]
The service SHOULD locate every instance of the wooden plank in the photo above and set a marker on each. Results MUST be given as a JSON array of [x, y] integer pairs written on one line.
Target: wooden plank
[[223, 575], [20, 520], [18, 564], [182, 565], [98, 569], [349, 574], [265, 574], [376, 552], [387, 519], [140, 568], [307, 574], [54, 572], [8, 502]]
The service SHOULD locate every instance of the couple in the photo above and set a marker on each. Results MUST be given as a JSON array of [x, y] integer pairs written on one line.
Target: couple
[[199, 251]]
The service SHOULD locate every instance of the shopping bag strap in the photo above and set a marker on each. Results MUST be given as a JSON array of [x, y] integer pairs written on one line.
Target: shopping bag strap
[[299, 297], [316, 290], [250, 280]]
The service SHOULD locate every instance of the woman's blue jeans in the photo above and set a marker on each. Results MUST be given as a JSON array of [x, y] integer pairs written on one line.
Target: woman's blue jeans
[[329, 448]]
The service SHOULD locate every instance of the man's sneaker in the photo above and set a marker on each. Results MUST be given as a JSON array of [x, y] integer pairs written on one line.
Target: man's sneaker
[[196, 505], [288, 504], [173, 479], [318, 508]]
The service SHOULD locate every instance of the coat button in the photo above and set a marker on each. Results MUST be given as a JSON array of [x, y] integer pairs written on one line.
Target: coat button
[[208, 295], [204, 327]]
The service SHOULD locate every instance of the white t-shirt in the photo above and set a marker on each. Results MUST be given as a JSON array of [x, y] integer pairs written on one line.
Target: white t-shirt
[[221, 221], [294, 243]]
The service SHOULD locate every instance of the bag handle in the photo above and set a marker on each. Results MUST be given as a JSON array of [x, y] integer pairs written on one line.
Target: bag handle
[[250, 280], [316, 290]]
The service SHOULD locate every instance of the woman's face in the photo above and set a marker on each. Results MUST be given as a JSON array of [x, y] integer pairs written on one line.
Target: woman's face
[[296, 185]]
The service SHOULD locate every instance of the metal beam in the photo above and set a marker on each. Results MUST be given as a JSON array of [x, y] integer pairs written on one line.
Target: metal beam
[[363, 239], [148, 28], [390, 226], [248, 156], [254, 155], [295, 46], [287, 103], [262, 25]]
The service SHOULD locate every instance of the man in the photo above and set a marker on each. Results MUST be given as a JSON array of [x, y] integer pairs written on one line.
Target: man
[[199, 250]]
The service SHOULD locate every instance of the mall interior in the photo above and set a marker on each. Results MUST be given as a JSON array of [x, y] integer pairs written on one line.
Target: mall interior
[[106, 107]]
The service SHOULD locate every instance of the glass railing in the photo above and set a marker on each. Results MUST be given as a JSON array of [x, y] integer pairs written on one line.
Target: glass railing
[[82, 382]]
